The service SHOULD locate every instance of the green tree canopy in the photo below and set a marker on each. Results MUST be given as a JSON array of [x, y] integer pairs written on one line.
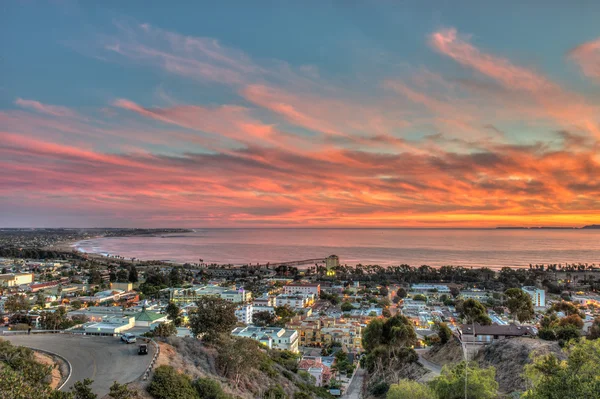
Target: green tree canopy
[[263, 318], [347, 307], [472, 311], [575, 378], [444, 332], [165, 330], [481, 383], [407, 389], [174, 313], [519, 304], [167, 383], [122, 391], [212, 317]]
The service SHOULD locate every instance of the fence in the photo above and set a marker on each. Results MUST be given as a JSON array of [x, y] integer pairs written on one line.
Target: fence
[[154, 358]]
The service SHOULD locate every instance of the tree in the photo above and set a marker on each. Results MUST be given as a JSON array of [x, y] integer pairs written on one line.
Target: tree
[[383, 291], [122, 276], [208, 388], [213, 316], [401, 293], [263, 318], [95, 277], [236, 357], [285, 314], [40, 300], [17, 303], [519, 304], [164, 330], [347, 307], [575, 378], [83, 390], [573, 320], [175, 279], [566, 307], [481, 383], [407, 389], [174, 313], [133, 274], [594, 331], [419, 297], [121, 391], [443, 332], [76, 304], [167, 383], [472, 311]]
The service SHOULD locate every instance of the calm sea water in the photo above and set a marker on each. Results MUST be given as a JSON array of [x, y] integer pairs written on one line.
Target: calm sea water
[[490, 248]]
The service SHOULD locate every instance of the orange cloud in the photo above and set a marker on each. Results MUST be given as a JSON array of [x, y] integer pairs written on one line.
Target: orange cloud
[[587, 57]]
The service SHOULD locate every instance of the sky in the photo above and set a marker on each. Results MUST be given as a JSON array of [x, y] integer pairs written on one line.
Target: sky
[[299, 113]]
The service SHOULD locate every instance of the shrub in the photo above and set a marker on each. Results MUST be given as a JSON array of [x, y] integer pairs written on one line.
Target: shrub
[[167, 383], [209, 389]]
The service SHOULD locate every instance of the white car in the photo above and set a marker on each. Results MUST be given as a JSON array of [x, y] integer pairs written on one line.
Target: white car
[[128, 338]]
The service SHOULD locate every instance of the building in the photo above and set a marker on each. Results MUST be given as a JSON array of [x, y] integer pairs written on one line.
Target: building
[[15, 279], [189, 295], [313, 331], [272, 337], [478, 334], [121, 286], [297, 301], [103, 297], [478, 295], [264, 300], [315, 367], [314, 289], [332, 261], [424, 288], [538, 296], [149, 319], [111, 325], [244, 313]]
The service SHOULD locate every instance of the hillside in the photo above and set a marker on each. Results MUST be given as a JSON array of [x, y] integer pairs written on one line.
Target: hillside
[[449, 353], [509, 356], [269, 370]]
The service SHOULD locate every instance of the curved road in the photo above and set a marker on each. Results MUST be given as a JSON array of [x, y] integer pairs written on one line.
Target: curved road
[[103, 359]]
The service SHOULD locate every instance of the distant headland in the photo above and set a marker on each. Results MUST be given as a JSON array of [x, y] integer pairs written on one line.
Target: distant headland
[[589, 226]]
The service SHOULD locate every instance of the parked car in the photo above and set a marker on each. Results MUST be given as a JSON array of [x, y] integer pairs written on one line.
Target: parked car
[[143, 349], [128, 338]]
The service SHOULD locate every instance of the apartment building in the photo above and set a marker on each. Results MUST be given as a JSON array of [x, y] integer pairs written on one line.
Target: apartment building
[[15, 279], [244, 313], [303, 289], [538, 296]]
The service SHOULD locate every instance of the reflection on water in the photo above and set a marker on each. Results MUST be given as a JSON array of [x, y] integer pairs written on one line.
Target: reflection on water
[[490, 248]]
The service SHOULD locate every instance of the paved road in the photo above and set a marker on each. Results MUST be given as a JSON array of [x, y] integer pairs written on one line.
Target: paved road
[[355, 389], [435, 369], [103, 359]]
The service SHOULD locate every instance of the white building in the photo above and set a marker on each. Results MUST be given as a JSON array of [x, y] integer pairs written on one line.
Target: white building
[[538, 296], [294, 301], [272, 337], [188, 295], [244, 313], [260, 308], [302, 289], [423, 288], [112, 325], [264, 300]]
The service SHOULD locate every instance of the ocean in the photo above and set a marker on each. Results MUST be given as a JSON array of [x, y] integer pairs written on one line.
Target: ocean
[[435, 247]]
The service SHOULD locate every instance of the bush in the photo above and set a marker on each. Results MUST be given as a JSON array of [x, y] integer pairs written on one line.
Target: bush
[[209, 389], [167, 383], [380, 389]]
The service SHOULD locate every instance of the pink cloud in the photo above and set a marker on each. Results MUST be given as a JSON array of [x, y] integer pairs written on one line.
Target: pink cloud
[[53, 110], [587, 57]]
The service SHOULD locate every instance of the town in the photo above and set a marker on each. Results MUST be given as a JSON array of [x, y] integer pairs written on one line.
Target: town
[[320, 315]]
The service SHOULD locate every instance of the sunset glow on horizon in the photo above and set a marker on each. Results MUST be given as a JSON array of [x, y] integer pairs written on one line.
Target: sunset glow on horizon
[[299, 116]]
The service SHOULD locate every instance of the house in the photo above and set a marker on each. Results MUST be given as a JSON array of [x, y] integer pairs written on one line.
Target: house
[[121, 286], [272, 337], [315, 367], [424, 288], [295, 301], [478, 334]]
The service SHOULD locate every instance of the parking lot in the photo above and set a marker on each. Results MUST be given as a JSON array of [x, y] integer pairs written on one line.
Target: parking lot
[[103, 359]]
